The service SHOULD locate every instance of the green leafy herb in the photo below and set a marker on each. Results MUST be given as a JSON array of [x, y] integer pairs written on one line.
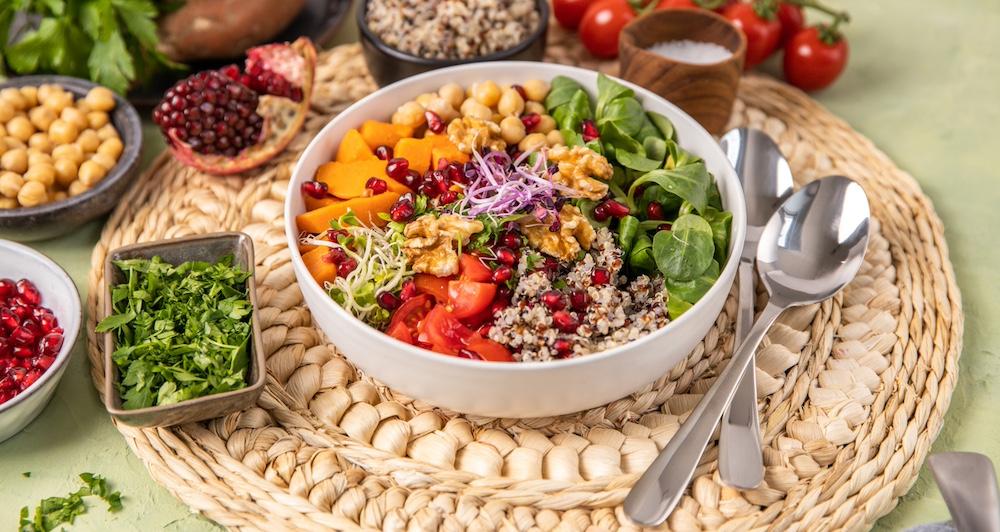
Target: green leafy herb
[[663, 124], [561, 91], [635, 161], [26, 474], [641, 256], [572, 115], [687, 250], [690, 183], [54, 511], [628, 229], [721, 222], [181, 331]]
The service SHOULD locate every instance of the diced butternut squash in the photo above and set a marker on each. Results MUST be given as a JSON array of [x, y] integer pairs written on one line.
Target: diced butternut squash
[[313, 203], [451, 153], [354, 148], [320, 270], [366, 209], [438, 141], [347, 180], [382, 134], [417, 151]]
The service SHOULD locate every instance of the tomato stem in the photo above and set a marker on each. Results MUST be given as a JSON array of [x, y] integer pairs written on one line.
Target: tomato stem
[[710, 4], [838, 16]]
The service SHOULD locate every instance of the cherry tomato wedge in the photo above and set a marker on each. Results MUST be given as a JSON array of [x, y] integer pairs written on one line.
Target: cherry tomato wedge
[[762, 34], [489, 350], [468, 298], [400, 332], [473, 269], [812, 64], [444, 332], [408, 316], [601, 25], [436, 287]]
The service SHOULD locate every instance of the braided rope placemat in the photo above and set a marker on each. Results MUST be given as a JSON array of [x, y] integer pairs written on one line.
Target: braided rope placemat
[[852, 391]]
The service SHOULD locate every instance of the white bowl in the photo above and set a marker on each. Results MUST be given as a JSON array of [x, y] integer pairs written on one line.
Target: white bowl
[[59, 295], [528, 389]]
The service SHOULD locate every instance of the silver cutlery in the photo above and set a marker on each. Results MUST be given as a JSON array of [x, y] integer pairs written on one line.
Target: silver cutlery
[[767, 182], [968, 484], [809, 250]]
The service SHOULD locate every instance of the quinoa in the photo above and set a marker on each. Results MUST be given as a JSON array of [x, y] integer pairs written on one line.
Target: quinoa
[[452, 29], [619, 312]]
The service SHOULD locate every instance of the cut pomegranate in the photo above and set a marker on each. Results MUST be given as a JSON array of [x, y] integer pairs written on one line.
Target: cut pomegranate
[[346, 266], [589, 130], [335, 256], [553, 299], [28, 292], [506, 256], [376, 185], [614, 208], [316, 189], [562, 347], [434, 122], [600, 277], [229, 122], [664, 227], [579, 300], [408, 290], [456, 174], [7, 289], [388, 300], [383, 152], [564, 321], [654, 211], [402, 210], [448, 196], [520, 90], [601, 213], [397, 168], [30, 337], [530, 121], [511, 240], [502, 274], [412, 179]]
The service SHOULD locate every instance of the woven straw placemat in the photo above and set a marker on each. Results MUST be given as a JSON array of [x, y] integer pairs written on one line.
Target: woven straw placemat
[[852, 391]]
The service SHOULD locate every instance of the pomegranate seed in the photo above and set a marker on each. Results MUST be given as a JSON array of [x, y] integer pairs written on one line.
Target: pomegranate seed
[[562, 347], [456, 174], [402, 210], [397, 168], [530, 121], [601, 213], [497, 306], [520, 90], [448, 196], [664, 227], [550, 265], [346, 266], [376, 185], [315, 189], [564, 321], [434, 122], [387, 300], [502, 274], [8, 320], [579, 300], [23, 351], [44, 362], [336, 235], [384, 153], [408, 290], [600, 276], [5, 349], [48, 323], [615, 208], [23, 337], [30, 378], [50, 344], [7, 289], [503, 294], [466, 353], [589, 130], [506, 256], [335, 256], [429, 189], [29, 292], [654, 211], [511, 240], [21, 310], [556, 225], [553, 299]]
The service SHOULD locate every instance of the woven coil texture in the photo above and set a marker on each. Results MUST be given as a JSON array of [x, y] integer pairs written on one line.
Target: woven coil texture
[[852, 391]]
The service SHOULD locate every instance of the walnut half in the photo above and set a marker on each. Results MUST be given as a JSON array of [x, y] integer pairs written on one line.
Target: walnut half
[[472, 134], [430, 242], [575, 233], [579, 169]]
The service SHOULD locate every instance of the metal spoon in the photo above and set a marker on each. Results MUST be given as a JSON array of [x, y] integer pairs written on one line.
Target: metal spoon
[[968, 484], [767, 182], [809, 250]]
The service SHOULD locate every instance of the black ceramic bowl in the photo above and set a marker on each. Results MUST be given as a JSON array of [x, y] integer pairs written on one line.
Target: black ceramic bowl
[[30, 224], [388, 65]]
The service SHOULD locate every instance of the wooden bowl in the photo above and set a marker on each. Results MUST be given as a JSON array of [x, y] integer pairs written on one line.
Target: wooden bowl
[[704, 91]]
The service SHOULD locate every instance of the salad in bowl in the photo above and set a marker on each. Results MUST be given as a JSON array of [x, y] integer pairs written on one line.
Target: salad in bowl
[[513, 218]]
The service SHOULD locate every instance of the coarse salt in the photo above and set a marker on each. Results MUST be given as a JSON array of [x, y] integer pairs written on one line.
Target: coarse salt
[[693, 52]]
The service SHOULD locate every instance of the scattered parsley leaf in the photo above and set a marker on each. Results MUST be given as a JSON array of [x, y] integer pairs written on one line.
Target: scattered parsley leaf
[[26, 474], [54, 511]]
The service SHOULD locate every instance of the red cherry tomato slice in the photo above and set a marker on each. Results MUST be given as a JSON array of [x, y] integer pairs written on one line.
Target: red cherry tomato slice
[[601, 25], [762, 34], [792, 20], [489, 350], [468, 298], [411, 312], [400, 332], [444, 332], [812, 64], [436, 287], [570, 12], [473, 269]]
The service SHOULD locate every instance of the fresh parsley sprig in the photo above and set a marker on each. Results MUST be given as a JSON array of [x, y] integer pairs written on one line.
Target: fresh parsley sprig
[[54, 511]]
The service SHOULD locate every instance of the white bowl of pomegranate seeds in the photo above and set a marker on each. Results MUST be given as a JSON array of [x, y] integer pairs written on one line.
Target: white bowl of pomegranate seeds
[[40, 319]]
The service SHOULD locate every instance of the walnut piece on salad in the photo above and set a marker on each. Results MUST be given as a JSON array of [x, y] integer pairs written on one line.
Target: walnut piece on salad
[[472, 134], [575, 234], [430, 242], [580, 168]]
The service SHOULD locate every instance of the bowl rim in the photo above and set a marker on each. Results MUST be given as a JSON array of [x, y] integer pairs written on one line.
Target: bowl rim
[[738, 209], [71, 332], [399, 55], [126, 163]]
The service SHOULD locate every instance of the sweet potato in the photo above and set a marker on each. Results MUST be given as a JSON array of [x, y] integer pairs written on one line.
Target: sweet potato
[[354, 148], [320, 270], [366, 209], [382, 134], [450, 153], [417, 151], [313, 203], [347, 180]]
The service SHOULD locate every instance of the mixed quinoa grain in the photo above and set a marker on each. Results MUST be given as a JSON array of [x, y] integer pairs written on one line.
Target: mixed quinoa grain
[[452, 29]]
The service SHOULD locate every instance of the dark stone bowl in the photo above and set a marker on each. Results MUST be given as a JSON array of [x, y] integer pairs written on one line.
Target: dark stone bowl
[[388, 65], [29, 224]]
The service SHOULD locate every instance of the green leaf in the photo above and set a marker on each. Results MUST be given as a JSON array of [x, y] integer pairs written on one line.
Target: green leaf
[[641, 256], [97, 19], [628, 230], [656, 149], [613, 136], [138, 16], [676, 307], [571, 115], [110, 63], [561, 91], [691, 183], [115, 321], [637, 162], [685, 251], [626, 113], [609, 90], [692, 291], [721, 222], [663, 124]]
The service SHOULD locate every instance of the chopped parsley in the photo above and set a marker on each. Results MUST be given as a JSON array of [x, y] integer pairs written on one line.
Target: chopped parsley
[[54, 511]]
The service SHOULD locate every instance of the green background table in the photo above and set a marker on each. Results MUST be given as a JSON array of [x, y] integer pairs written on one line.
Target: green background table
[[921, 83]]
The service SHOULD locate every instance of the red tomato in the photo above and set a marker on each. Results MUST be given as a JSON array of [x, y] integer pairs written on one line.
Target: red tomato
[[762, 35], [437, 287], [489, 350], [570, 12], [445, 333], [792, 20], [400, 332], [468, 298], [677, 4], [408, 316], [812, 64], [473, 269], [601, 25]]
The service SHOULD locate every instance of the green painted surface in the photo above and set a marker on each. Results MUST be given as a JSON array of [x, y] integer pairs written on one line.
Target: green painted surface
[[921, 83]]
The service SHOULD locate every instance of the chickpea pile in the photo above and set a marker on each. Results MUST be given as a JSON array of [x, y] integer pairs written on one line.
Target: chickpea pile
[[52, 147], [489, 101]]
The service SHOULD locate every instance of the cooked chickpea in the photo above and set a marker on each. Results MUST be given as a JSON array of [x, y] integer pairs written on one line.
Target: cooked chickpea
[[91, 172], [10, 184], [511, 103], [453, 94], [68, 151], [443, 109], [41, 142], [77, 187], [13, 96], [545, 124], [109, 132], [3, 133], [97, 119], [20, 128], [65, 171], [111, 147], [535, 89], [555, 138], [38, 157], [532, 142], [88, 141], [486, 93], [6, 111], [8, 203], [32, 193], [512, 130], [74, 116], [42, 117], [30, 94], [63, 132], [107, 161], [425, 98], [43, 173], [57, 101], [473, 109], [534, 107], [15, 160], [100, 99], [14, 143], [409, 114], [46, 89], [84, 108]]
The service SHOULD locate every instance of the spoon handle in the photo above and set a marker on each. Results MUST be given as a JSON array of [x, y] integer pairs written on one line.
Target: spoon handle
[[661, 487]]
